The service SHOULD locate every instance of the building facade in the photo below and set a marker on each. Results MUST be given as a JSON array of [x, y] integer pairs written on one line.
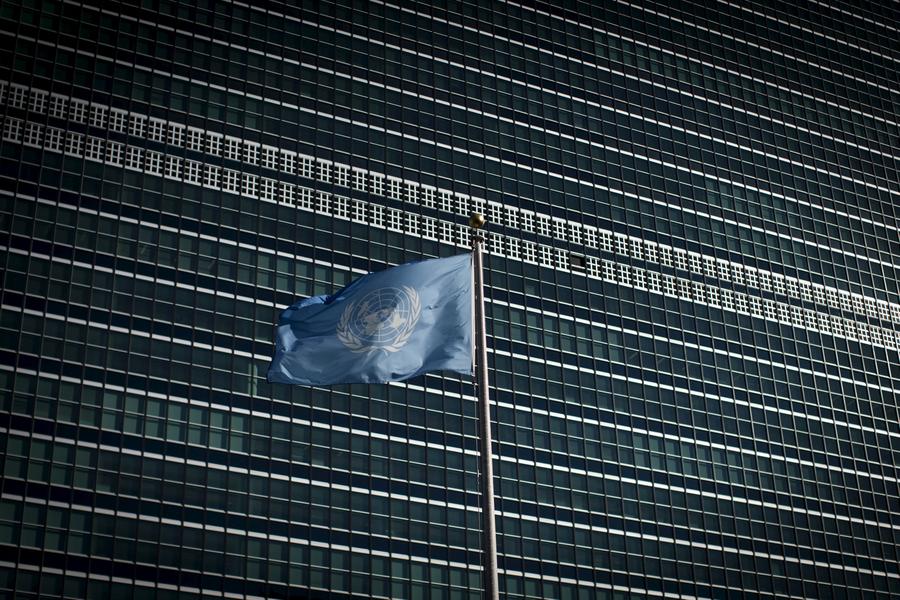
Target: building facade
[[692, 288]]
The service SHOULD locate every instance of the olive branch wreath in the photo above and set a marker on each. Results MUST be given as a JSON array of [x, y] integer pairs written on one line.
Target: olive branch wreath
[[355, 344]]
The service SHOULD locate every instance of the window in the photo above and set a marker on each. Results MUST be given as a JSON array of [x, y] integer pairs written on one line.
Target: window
[[176, 134], [214, 144], [269, 157], [94, 148], [543, 224], [211, 176], [193, 172], [527, 221], [267, 189], [429, 194], [231, 181], [232, 148], [249, 185], [58, 105], [156, 130], [136, 125], [134, 158], [395, 219], [446, 200], [305, 198], [429, 228], [446, 232], [324, 170], [342, 175], [38, 101], [173, 167], [341, 206], [377, 184], [153, 162], [287, 193], [33, 134], [17, 96], [12, 129], [359, 180], [495, 243], [377, 215], [359, 210], [306, 166], [54, 139], [637, 250], [609, 271], [529, 251], [393, 188], [118, 121], [251, 152], [114, 152], [98, 115], [590, 236], [665, 256], [74, 143], [288, 162], [194, 139]]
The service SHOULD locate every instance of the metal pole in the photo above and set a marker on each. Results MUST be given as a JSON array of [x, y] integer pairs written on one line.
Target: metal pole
[[488, 525]]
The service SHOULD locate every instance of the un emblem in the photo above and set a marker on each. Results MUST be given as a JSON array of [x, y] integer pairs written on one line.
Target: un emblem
[[382, 320]]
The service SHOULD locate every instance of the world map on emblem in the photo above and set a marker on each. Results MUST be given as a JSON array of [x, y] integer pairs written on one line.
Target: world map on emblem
[[382, 320]]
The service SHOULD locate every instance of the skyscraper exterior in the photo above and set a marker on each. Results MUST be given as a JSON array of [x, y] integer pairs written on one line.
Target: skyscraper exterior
[[692, 297]]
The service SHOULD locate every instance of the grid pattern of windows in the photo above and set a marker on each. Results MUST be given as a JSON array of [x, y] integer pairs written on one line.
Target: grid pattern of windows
[[692, 291]]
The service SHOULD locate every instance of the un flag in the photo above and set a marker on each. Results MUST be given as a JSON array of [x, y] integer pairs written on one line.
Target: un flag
[[385, 326]]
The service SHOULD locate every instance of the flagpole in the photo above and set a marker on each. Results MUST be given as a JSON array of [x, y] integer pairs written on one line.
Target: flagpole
[[488, 524]]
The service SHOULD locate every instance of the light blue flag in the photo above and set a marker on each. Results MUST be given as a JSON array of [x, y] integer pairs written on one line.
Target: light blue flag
[[385, 326]]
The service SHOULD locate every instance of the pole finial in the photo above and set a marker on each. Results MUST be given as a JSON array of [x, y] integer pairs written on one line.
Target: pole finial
[[477, 221]]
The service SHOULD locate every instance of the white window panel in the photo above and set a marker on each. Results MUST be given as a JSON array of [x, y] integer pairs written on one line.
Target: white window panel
[[640, 280], [447, 232], [681, 259], [176, 134], [495, 213], [231, 181], [251, 152], [411, 222], [527, 221], [18, 96], [709, 266], [134, 158], [637, 250], [38, 101], [324, 168], [137, 125], [394, 188], [665, 255], [593, 267], [323, 202], [463, 233], [512, 217], [621, 244], [194, 139], [341, 207], [32, 134], [685, 289], [99, 115], [751, 276], [360, 181], [156, 130], [377, 183], [654, 283], [545, 254], [4, 88], [543, 224], [342, 175], [305, 198], [232, 148], [609, 271], [74, 143], [53, 139], [699, 292], [727, 299], [12, 129], [359, 211], [93, 148], [513, 246], [267, 189], [306, 166], [737, 273], [289, 162], [793, 289], [562, 259], [249, 185], [173, 167], [213, 143], [153, 162], [529, 251], [377, 215], [394, 219], [429, 228], [559, 229], [590, 237], [193, 172], [695, 263], [652, 250], [212, 176], [58, 106], [476, 205], [269, 157], [446, 197], [118, 121], [286, 193], [462, 204], [765, 280], [429, 196], [115, 152], [713, 293]]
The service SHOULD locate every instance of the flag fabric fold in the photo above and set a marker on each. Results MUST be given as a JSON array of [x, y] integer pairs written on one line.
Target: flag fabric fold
[[386, 326]]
